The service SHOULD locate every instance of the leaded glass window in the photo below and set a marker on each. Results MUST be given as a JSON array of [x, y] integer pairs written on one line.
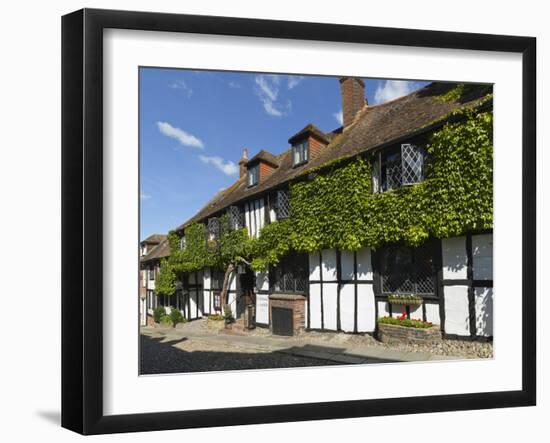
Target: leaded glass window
[[283, 204], [235, 218], [398, 166], [290, 274], [412, 158], [405, 270], [183, 243], [300, 153]]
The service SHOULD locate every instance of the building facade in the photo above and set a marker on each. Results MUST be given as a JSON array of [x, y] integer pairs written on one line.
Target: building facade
[[343, 290]]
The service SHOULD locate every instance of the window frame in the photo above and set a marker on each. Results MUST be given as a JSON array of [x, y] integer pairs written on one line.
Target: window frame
[[434, 248], [289, 261], [255, 175], [379, 173], [304, 150]]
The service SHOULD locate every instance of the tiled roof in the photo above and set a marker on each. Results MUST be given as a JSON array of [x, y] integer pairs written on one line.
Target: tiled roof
[[265, 156], [374, 127], [159, 251], [154, 239]]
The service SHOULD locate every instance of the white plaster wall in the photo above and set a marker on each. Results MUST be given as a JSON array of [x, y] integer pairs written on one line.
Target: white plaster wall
[[233, 281], [457, 319], [272, 215], [206, 278], [347, 307], [329, 264], [455, 259], [383, 309], [484, 311], [432, 313], [366, 317], [346, 263], [315, 306], [151, 284], [193, 298], [330, 306], [262, 281], [416, 312], [314, 269], [206, 302], [262, 308], [261, 215], [482, 256], [364, 264], [232, 302]]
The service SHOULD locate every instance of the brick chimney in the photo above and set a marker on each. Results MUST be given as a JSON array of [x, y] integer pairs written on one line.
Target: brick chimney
[[353, 98], [242, 162]]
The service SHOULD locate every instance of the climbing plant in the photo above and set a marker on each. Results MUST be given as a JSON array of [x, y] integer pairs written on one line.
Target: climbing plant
[[335, 206]]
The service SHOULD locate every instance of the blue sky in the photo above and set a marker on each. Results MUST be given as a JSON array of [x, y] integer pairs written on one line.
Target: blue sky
[[194, 125]]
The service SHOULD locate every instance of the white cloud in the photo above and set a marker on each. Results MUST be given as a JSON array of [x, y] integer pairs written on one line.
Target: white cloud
[[339, 117], [234, 85], [294, 80], [144, 196], [392, 89], [267, 90], [180, 84], [180, 135], [227, 167]]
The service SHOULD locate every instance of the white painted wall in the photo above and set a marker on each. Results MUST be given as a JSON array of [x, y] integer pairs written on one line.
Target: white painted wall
[[193, 297], [416, 312], [364, 264], [347, 267], [315, 306], [457, 318], [329, 264], [432, 313], [314, 268], [347, 307], [484, 311], [254, 216], [262, 308], [482, 256], [366, 318], [455, 259], [330, 306], [262, 281], [383, 309]]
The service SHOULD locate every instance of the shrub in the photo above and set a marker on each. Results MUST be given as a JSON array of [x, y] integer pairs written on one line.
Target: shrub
[[216, 317], [176, 316], [158, 313], [227, 314], [405, 322], [165, 320]]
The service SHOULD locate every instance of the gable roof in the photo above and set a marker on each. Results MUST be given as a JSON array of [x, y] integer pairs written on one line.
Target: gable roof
[[154, 239], [265, 156], [161, 250], [374, 126]]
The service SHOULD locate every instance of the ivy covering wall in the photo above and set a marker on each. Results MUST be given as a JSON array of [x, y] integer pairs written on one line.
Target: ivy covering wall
[[337, 209]]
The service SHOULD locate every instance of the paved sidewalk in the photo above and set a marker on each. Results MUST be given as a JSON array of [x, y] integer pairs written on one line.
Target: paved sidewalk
[[302, 346]]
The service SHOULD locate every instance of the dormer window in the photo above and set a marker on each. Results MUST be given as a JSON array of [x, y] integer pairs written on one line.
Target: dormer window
[[398, 166], [300, 153], [253, 175]]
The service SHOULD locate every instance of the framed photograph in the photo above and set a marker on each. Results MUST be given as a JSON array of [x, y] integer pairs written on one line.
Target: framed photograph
[[270, 221]]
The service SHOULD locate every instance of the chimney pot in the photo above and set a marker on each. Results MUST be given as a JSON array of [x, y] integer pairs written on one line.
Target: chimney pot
[[242, 162], [353, 98]]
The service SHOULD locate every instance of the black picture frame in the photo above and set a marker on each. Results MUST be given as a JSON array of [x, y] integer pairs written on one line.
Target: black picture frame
[[82, 218]]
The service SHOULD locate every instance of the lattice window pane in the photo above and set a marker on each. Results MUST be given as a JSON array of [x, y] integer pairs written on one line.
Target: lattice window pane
[[413, 164], [425, 270], [290, 275], [236, 219], [396, 272], [283, 204], [393, 172], [212, 234], [183, 243]]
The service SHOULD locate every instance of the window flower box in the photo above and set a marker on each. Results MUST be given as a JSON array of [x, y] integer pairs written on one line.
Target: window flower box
[[403, 330], [411, 300]]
